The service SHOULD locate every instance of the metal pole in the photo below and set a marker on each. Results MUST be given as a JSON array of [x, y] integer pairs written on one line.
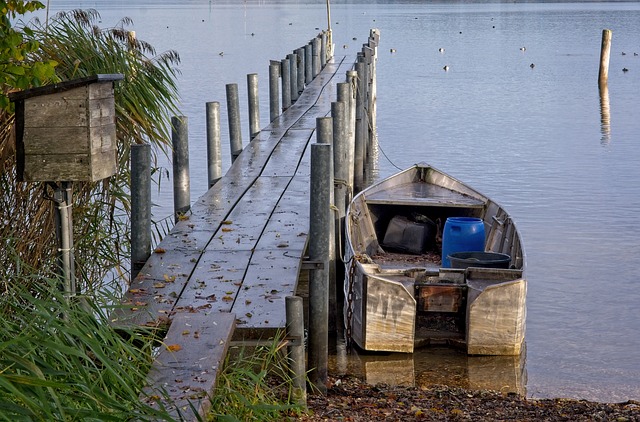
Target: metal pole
[[214, 142], [254, 105], [63, 198], [293, 76], [319, 252], [233, 114], [181, 187], [295, 334], [308, 63], [140, 206], [274, 91], [605, 52], [286, 84]]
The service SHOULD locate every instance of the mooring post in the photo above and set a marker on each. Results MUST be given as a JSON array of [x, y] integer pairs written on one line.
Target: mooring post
[[233, 114], [605, 52], [293, 76], [181, 183], [274, 91], [295, 334], [319, 236], [301, 69], [214, 143], [140, 206], [308, 63], [315, 61], [345, 95], [286, 84], [324, 135], [254, 105], [359, 129], [323, 49]]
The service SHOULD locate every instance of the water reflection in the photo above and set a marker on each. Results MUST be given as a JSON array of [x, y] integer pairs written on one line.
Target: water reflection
[[433, 366], [605, 115]]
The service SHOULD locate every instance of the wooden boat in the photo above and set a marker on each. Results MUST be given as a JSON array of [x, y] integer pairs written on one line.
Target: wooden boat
[[398, 297]]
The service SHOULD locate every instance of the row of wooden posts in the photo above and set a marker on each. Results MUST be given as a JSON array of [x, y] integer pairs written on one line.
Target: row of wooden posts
[[344, 141]]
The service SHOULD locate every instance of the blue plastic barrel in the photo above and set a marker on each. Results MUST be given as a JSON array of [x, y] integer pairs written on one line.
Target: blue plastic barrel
[[461, 234]]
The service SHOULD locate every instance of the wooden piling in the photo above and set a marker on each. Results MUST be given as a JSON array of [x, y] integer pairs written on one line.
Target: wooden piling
[[308, 63], [181, 183], [254, 105], [315, 60], [359, 157], [301, 69], [605, 53], [233, 114], [293, 76], [285, 72], [140, 206], [295, 335], [319, 236], [274, 91], [214, 143], [323, 49]]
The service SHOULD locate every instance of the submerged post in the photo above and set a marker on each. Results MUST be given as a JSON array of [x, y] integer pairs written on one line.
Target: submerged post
[[295, 334], [605, 52], [214, 147], [319, 278], [140, 206], [254, 105], [274, 91], [233, 114], [181, 183]]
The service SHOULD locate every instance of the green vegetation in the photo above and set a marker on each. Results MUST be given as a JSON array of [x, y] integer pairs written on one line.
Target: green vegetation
[[255, 385], [70, 368], [145, 101]]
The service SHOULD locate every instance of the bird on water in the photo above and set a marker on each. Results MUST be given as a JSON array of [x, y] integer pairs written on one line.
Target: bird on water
[[441, 50], [445, 68], [523, 48], [532, 65]]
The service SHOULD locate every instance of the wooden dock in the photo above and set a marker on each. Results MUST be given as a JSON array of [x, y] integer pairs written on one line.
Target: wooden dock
[[224, 270]]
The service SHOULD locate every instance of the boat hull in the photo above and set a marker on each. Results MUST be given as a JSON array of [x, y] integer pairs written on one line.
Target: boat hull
[[396, 301]]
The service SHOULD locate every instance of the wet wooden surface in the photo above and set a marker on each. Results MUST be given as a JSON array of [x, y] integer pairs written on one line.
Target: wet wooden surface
[[237, 254]]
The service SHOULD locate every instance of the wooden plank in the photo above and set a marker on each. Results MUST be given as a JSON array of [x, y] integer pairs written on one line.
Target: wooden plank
[[184, 374]]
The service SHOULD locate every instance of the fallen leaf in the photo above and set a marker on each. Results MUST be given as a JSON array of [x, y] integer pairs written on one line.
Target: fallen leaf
[[160, 250], [174, 347], [227, 229], [227, 222], [227, 299], [186, 332], [158, 285], [169, 279]]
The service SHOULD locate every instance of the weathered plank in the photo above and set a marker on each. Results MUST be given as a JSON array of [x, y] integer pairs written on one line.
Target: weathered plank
[[184, 373]]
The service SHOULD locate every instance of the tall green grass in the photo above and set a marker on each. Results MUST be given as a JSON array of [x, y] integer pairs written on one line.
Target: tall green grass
[[62, 361], [256, 385]]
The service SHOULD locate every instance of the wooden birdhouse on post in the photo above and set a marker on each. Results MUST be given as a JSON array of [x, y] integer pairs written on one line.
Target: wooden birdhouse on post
[[66, 133]]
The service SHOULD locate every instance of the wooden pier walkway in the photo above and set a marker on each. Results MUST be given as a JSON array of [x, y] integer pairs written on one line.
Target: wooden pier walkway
[[225, 269]]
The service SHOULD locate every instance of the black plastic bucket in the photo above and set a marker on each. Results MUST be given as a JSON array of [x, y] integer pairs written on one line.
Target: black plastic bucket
[[479, 259]]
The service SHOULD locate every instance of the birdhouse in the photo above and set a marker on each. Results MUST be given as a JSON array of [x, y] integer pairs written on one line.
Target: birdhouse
[[67, 131]]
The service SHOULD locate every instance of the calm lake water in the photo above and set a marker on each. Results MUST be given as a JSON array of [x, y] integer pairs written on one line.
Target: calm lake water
[[531, 138]]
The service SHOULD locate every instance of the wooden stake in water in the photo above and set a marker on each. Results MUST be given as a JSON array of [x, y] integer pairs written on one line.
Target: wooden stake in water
[[285, 71], [274, 91], [140, 206], [605, 52], [254, 105]]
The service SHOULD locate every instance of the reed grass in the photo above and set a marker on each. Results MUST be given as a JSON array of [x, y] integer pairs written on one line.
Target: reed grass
[[256, 384]]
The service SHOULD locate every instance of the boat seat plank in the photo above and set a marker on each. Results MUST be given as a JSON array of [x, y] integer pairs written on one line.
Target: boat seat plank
[[423, 194]]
